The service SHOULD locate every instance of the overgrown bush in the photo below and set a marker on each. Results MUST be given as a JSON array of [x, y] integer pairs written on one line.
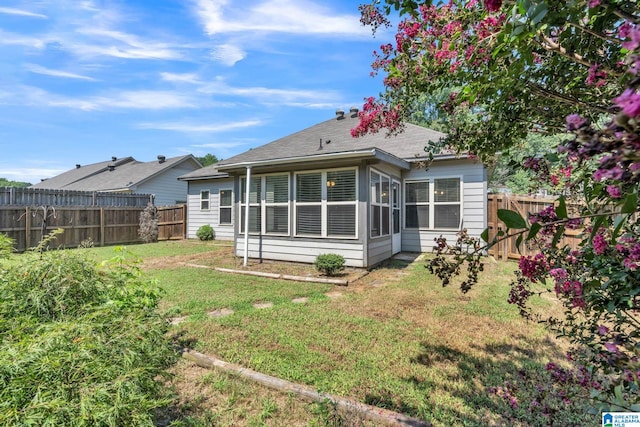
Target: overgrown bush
[[6, 245], [206, 232], [148, 230], [329, 264], [80, 345]]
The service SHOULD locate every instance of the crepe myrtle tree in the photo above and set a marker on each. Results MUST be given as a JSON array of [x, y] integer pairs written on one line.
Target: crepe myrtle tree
[[547, 66]]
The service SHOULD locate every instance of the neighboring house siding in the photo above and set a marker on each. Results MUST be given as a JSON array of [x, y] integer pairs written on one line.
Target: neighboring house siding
[[474, 202], [301, 250], [198, 217], [167, 188]]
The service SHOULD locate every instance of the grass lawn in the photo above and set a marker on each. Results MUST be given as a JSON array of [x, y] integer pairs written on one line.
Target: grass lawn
[[395, 339]]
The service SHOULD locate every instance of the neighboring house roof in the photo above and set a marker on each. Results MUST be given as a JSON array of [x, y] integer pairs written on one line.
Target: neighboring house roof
[[337, 140], [79, 173], [117, 175]]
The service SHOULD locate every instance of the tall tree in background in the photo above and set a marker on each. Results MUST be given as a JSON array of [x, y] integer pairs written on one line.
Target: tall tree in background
[[7, 183], [208, 159], [547, 67]]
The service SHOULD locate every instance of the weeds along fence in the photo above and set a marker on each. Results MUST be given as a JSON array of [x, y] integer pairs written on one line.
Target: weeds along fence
[[106, 219], [524, 205]]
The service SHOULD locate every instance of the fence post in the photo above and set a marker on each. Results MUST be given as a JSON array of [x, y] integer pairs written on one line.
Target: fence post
[[102, 226], [184, 221], [27, 228]]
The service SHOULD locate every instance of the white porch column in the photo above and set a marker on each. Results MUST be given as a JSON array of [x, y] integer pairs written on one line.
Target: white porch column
[[246, 216]]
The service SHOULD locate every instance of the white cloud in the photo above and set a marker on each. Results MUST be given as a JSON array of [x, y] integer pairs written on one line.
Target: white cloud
[[56, 73], [201, 128], [293, 97], [228, 54], [181, 78], [20, 40], [279, 16], [21, 12], [120, 45], [32, 175], [134, 100]]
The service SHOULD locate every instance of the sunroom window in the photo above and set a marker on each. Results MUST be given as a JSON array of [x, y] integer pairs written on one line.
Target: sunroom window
[[380, 211], [325, 203], [435, 204], [268, 200]]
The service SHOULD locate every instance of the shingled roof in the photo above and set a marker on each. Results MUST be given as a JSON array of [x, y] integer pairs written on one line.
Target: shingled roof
[[329, 140], [114, 175]]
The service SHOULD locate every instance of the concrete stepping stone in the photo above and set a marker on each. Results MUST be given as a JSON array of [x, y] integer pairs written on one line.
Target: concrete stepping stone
[[178, 320], [300, 300], [221, 312], [377, 283], [261, 305]]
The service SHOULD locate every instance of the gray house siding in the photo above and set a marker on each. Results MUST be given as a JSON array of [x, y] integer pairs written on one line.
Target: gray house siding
[[474, 202], [197, 217], [301, 249], [168, 190]]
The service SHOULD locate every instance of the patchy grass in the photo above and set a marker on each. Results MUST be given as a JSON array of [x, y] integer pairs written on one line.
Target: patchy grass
[[395, 339]]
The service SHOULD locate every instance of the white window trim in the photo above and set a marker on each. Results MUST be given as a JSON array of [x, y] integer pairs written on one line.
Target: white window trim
[[208, 200], [262, 203], [432, 203], [324, 204], [225, 207], [381, 205]]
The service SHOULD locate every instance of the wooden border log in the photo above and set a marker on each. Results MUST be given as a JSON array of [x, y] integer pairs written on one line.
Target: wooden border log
[[373, 413]]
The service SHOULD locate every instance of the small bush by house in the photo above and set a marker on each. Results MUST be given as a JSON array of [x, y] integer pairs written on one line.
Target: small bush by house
[[206, 232], [329, 264]]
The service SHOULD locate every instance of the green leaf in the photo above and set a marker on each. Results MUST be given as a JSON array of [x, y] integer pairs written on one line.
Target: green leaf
[[539, 13], [561, 209], [630, 203], [557, 236], [617, 224], [533, 231], [485, 235], [597, 223], [519, 242], [511, 219]]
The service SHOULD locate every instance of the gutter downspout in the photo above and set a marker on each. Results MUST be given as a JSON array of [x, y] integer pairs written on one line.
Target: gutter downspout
[[246, 217]]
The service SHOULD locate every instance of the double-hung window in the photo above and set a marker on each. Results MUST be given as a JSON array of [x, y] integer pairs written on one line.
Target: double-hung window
[[433, 204], [379, 187], [268, 204], [225, 207], [326, 203], [204, 200]]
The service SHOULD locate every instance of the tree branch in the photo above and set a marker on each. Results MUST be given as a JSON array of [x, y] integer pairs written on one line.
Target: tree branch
[[566, 99], [551, 46]]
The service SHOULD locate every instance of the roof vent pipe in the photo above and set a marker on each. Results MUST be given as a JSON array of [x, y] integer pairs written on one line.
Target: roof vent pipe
[[161, 158], [77, 165], [111, 167], [114, 158], [353, 111], [339, 114]]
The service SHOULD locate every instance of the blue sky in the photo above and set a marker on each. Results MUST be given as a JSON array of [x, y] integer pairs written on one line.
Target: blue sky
[[84, 80]]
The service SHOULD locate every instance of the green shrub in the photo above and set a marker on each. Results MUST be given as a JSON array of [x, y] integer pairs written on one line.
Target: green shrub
[[329, 264], [6, 245], [206, 232], [81, 345]]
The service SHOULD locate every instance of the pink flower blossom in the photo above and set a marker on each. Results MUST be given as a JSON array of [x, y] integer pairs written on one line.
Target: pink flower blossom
[[629, 101], [574, 121], [594, 3], [634, 34], [603, 330], [600, 244], [611, 347], [614, 191], [493, 5]]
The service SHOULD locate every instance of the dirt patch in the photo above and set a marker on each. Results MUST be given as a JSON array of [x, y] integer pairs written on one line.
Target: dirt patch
[[225, 258]]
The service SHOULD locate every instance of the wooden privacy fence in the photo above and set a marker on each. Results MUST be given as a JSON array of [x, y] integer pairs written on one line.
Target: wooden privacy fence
[[524, 205], [46, 197], [102, 226]]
